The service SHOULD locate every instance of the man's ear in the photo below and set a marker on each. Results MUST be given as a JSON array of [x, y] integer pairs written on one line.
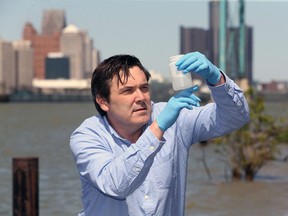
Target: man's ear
[[102, 103]]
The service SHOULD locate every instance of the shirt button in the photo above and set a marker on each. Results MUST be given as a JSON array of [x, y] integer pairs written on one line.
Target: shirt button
[[239, 103], [152, 148], [137, 169], [146, 197]]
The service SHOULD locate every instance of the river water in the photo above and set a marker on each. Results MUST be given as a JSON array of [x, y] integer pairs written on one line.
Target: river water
[[43, 130]]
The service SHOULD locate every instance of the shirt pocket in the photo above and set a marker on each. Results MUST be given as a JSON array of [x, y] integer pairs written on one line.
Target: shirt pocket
[[162, 172]]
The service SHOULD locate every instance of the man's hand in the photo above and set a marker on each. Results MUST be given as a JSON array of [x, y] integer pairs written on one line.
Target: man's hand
[[184, 99], [198, 63]]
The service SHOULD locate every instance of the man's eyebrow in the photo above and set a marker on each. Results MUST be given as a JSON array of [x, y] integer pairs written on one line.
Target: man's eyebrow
[[144, 84], [125, 87]]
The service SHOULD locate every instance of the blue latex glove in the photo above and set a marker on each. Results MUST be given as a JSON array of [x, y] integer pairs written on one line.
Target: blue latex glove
[[184, 99], [198, 63]]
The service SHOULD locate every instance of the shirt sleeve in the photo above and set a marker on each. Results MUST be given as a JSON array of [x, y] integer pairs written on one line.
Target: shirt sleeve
[[229, 111], [114, 170]]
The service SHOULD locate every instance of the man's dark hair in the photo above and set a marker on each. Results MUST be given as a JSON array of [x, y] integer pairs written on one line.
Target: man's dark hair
[[118, 66]]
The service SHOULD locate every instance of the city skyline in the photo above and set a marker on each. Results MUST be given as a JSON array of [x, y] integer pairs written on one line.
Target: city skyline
[[153, 34]]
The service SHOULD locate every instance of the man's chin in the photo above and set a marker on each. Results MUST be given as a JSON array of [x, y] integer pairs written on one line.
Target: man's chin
[[142, 118]]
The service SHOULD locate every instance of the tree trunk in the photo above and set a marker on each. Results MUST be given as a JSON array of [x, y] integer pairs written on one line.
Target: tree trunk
[[236, 174], [249, 173]]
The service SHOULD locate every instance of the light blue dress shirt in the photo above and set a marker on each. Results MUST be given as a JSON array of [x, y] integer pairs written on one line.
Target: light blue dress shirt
[[149, 177]]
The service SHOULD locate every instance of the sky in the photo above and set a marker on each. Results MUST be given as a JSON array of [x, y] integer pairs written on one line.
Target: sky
[[150, 30]]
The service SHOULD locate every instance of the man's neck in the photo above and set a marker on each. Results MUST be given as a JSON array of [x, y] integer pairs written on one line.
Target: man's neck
[[130, 133]]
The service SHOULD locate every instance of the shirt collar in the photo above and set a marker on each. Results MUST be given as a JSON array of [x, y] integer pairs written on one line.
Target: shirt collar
[[114, 132]]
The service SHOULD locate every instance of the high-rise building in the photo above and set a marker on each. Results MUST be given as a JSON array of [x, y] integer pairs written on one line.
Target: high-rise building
[[95, 59], [88, 53], [7, 68], [24, 64], [207, 42], [29, 32], [49, 41], [42, 45], [214, 28], [72, 45], [78, 47], [194, 39], [57, 66], [53, 22], [249, 53], [232, 56]]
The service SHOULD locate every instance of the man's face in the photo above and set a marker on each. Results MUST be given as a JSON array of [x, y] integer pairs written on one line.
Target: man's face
[[129, 107]]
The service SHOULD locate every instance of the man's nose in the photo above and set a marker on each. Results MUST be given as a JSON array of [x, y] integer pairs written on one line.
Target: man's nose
[[139, 94]]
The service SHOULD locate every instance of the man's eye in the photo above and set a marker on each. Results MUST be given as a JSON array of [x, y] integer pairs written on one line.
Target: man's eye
[[127, 91], [145, 88]]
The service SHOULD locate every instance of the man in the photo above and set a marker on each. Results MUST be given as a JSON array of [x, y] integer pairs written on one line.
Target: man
[[132, 156]]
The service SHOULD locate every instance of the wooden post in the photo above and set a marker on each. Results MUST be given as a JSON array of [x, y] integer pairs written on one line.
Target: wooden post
[[25, 187]]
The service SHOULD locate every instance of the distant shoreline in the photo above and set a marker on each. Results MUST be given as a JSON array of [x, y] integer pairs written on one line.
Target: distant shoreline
[[45, 98], [32, 97], [274, 96]]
